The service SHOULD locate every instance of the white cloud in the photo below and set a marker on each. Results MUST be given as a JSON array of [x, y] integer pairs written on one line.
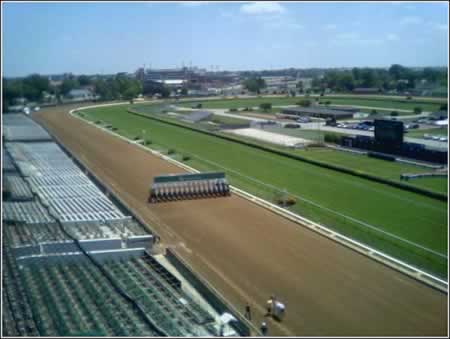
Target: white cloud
[[330, 27], [262, 8], [392, 37], [194, 3], [271, 15], [410, 20]]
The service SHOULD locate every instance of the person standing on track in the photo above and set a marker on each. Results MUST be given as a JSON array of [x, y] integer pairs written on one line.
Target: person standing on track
[[248, 313], [270, 305], [278, 312], [264, 328]]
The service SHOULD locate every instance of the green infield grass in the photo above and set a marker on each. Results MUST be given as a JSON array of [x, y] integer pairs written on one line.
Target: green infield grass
[[385, 169], [407, 225], [336, 100], [419, 133]]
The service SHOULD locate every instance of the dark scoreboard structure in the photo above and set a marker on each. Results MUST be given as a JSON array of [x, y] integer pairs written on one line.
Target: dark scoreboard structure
[[389, 132]]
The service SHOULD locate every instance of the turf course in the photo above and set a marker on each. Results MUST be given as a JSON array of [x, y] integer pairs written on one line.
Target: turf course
[[282, 101], [380, 168], [359, 208], [384, 169]]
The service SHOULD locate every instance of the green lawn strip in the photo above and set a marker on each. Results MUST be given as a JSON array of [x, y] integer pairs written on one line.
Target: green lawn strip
[[419, 133], [384, 169], [437, 184], [395, 104], [220, 119], [283, 101]]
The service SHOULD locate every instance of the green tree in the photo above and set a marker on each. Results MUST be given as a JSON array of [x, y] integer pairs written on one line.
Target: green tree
[[101, 89], [34, 85], [304, 103], [165, 91], [12, 89], [397, 72], [265, 106], [254, 84], [417, 110], [430, 74], [69, 84], [84, 80], [131, 93]]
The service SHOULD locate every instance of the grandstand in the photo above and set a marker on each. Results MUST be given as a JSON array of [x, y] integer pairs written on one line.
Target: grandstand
[[16, 188], [18, 127], [85, 264], [61, 184], [188, 186], [7, 163]]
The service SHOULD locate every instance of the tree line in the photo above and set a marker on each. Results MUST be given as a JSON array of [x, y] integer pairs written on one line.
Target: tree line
[[396, 77], [34, 87]]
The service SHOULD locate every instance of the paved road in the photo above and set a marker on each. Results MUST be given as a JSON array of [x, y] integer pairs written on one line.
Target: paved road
[[248, 253]]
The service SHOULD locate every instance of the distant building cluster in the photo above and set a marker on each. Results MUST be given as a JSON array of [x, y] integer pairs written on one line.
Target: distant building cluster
[[191, 81]]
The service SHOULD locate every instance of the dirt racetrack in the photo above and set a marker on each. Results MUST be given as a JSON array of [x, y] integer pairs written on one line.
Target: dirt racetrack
[[248, 253]]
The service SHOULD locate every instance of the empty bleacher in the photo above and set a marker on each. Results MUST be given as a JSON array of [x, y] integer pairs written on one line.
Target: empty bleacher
[[29, 212], [56, 179], [17, 188], [164, 302], [18, 127]]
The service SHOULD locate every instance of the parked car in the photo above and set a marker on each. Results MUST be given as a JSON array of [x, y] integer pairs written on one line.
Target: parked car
[[304, 119], [292, 126], [443, 139]]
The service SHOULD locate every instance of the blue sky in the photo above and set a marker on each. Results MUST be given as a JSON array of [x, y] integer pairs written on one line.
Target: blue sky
[[91, 38]]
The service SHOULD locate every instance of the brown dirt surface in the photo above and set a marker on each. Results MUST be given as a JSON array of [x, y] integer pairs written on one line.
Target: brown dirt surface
[[248, 253]]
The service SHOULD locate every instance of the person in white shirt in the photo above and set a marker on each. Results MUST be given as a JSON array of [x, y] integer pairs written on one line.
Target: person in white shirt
[[279, 310], [270, 305]]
